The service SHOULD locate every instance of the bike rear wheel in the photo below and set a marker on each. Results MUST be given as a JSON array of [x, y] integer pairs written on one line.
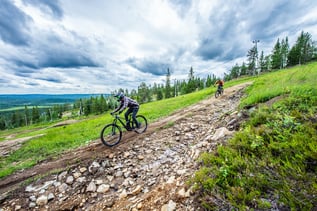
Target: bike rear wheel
[[111, 135], [141, 128], [217, 94]]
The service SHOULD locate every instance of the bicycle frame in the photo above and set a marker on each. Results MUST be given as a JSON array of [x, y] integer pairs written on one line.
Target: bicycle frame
[[118, 118]]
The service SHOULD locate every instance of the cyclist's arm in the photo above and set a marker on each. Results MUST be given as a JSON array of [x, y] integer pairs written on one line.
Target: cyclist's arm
[[118, 108], [124, 104]]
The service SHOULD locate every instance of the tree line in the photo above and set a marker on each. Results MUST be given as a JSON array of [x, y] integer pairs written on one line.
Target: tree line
[[304, 50], [282, 56], [30, 116]]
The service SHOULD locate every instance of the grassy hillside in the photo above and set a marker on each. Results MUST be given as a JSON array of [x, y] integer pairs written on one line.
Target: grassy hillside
[[55, 140], [269, 162], [272, 162]]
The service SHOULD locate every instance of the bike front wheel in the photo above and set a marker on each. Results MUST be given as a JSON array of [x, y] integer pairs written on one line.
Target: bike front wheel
[[111, 135], [141, 128]]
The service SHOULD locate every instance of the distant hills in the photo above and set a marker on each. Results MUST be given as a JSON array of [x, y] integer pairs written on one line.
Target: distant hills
[[18, 100]]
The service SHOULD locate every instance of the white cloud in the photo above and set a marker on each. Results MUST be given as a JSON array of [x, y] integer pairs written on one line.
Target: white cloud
[[99, 46]]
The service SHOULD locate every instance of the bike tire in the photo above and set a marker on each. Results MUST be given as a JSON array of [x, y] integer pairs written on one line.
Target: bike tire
[[217, 94], [111, 135], [141, 119]]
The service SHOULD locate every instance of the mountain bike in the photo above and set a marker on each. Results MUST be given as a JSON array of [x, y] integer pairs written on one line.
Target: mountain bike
[[219, 92], [111, 134]]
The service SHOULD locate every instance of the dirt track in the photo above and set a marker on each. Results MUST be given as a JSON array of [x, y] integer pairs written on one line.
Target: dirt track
[[212, 113]]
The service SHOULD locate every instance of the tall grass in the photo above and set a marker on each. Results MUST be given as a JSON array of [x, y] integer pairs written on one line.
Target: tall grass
[[272, 162], [300, 79]]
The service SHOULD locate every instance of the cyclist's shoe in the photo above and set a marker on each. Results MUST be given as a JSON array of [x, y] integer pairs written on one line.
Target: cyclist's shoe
[[128, 127], [139, 125]]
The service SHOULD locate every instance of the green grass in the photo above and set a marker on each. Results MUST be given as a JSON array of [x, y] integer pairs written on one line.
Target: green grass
[[273, 159], [56, 140], [300, 79]]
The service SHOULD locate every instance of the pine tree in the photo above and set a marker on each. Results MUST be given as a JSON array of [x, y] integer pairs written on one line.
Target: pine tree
[[159, 95], [243, 69], [143, 93], [209, 81], [191, 85], [252, 57], [268, 62], [168, 84], [234, 72], [277, 56], [262, 62], [35, 114]]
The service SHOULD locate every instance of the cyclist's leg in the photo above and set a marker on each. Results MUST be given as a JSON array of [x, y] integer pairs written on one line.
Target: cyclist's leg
[[126, 116], [134, 113]]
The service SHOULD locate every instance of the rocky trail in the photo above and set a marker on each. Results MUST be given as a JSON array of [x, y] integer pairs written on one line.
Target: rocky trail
[[144, 172]]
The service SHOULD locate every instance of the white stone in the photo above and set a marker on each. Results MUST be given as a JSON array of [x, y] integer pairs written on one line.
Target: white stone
[[83, 169], [220, 133], [62, 175], [62, 188], [76, 175], [91, 187], [103, 188], [70, 180], [137, 190], [50, 196], [32, 205], [123, 194], [42, 200], [169, 207]]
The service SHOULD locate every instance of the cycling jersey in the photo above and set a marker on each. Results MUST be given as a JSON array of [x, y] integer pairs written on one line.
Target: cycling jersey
[[126, 102]]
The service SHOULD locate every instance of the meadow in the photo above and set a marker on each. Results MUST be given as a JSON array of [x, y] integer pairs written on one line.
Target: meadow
[[272, 159]]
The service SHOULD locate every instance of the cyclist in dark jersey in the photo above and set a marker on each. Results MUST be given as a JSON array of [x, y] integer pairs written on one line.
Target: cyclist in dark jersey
[[220, 84], [126, 102]]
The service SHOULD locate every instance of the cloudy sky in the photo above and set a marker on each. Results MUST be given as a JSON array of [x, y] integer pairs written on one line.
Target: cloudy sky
[[97, 46]]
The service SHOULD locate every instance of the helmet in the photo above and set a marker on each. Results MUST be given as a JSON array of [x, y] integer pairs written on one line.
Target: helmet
[[120, 95]]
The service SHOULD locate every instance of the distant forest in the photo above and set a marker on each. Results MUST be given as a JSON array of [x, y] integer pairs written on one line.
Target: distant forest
[[304, 50]]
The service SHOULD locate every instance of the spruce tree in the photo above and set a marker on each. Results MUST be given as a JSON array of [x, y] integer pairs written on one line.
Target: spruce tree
[[168, 84]]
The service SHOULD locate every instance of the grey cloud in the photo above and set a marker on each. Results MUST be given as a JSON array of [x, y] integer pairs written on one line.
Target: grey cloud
[[3, 81], [149, 66], [55, 53], [280, 18], [21, 64], [219, 38], [51, 7], [13, 24], [220, 41], [24, 71], [32, 84], [63, 58], [50, 79]]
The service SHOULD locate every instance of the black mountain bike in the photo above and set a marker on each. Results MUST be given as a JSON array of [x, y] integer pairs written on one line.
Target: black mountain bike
[[111, 134], [219, 92]]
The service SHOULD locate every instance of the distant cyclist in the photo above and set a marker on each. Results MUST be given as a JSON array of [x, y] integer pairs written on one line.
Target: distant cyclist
[[220, 84], [124, 103]]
